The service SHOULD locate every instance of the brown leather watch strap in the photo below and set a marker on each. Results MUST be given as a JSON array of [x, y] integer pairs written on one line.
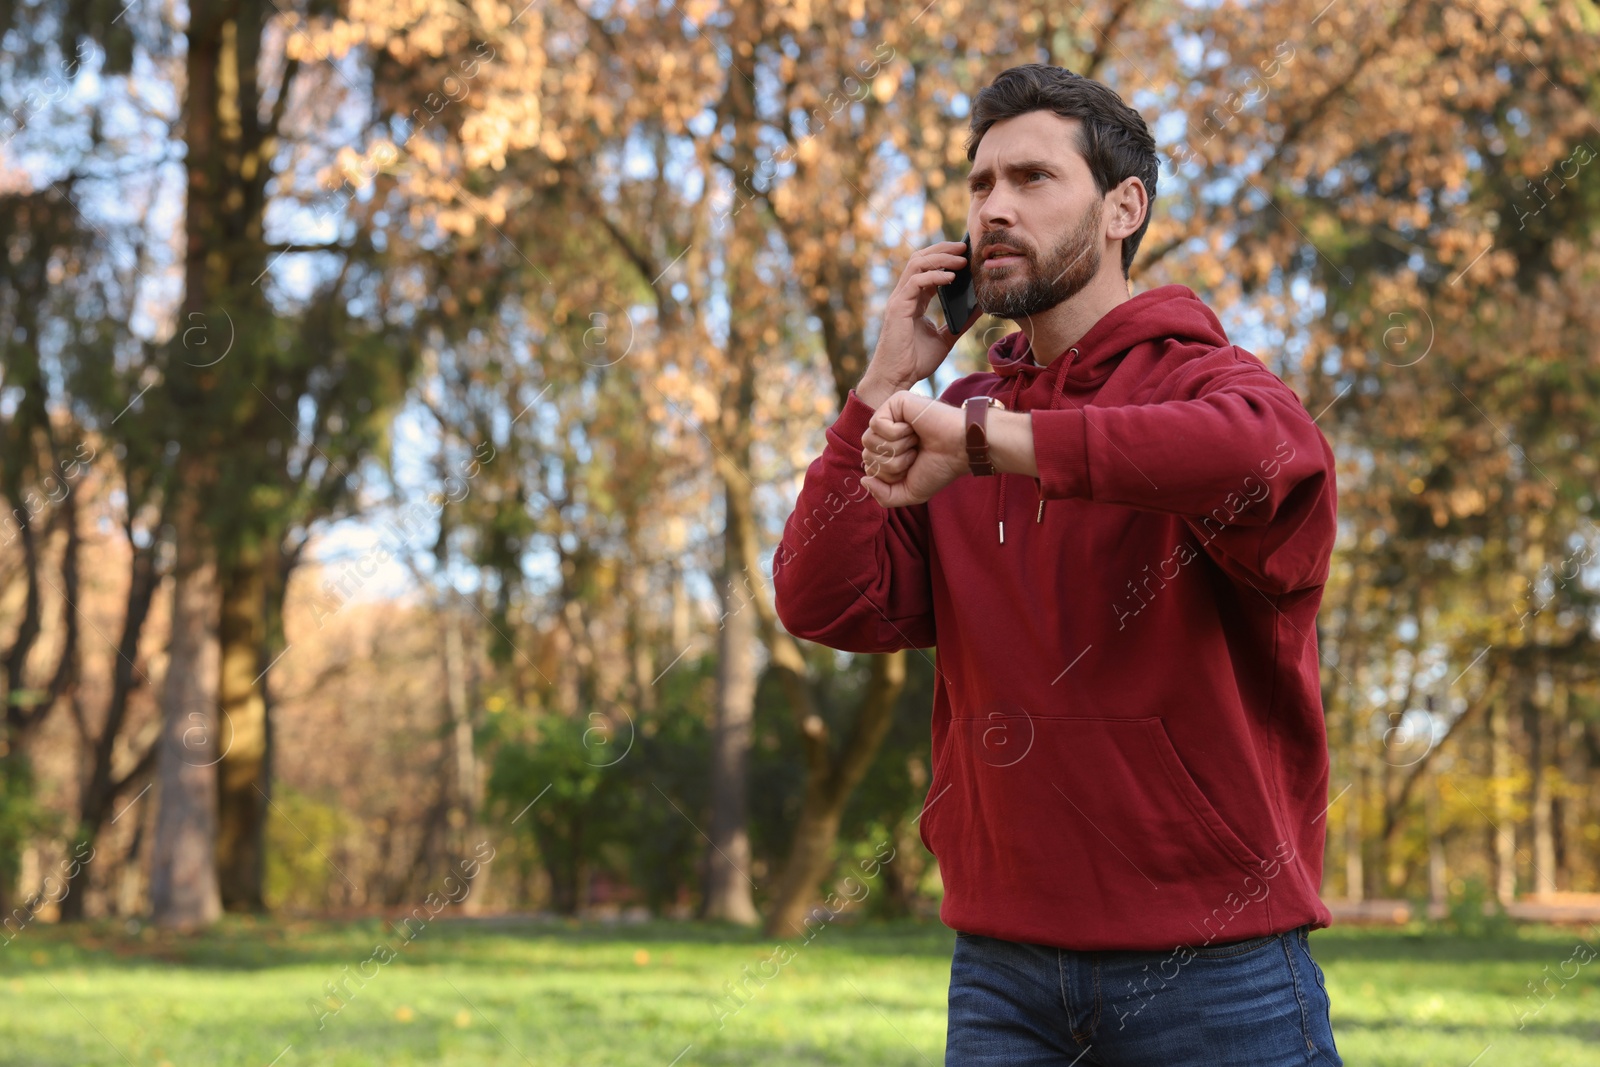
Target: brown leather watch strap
[[976, 409]]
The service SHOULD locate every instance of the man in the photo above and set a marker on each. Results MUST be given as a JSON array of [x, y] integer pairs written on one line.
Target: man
[[1130, 765]]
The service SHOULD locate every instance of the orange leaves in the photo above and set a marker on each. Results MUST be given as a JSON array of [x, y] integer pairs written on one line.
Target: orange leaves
[[1467, 501], [698, 11], [1261, 264], [885, 85], [551, 144], [357, 168], [328, 40], [506, 121]]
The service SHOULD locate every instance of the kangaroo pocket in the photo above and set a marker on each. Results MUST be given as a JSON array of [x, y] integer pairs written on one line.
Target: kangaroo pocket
[[1080, 832]]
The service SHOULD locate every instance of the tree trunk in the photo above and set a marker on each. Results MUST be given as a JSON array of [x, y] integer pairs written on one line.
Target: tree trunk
[[183, 874], [1438, 873], [1389, 860], [1570, 825], [680, 612], [829, 783], [1544, 731], [241, 775], [463, 815], [640, 639], [1390, 868], [455, 673], [1354, 872], [1352, 652], [1505, 841], [728, 885], [281, 562], [900, 876], [22, 707], [101, 793]]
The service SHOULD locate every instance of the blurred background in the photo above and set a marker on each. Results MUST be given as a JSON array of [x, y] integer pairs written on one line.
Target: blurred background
[[400, 404]]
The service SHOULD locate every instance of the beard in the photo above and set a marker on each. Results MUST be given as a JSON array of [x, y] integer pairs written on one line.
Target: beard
[[1028, 288]]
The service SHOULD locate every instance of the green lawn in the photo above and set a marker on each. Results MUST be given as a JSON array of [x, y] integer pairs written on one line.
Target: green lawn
[[477, 993]]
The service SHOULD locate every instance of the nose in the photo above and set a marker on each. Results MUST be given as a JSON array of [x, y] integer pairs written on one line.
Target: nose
[[996, 212]]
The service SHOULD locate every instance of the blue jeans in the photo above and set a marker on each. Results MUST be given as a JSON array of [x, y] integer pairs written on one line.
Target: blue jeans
[[1260, 1002]]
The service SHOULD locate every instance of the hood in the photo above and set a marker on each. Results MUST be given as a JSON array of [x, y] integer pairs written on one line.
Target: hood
[[1170, 311]]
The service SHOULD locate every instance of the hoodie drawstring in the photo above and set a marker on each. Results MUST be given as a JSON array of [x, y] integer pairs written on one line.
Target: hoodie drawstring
[[1000, 505], [1055, 399]]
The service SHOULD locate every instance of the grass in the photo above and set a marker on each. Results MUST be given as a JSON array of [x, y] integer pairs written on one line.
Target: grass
[[519, 992]]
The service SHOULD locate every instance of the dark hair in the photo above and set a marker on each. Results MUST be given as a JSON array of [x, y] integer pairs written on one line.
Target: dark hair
[[1113, 139]]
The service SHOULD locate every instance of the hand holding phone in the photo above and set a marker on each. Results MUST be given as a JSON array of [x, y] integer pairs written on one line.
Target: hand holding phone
[[910, 346]]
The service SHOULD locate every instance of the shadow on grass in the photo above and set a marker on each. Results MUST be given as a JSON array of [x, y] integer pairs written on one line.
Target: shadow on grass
[[1580, 1031], [254, 943], [246, 943], [1527, 944]]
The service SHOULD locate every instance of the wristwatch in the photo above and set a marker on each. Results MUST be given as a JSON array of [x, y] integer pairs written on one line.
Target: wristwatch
[[976, 409]]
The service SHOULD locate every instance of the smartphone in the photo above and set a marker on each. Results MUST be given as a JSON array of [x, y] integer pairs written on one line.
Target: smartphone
[[958, 298]]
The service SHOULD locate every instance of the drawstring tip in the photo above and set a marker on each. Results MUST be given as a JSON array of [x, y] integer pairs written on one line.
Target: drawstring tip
[[1040, 517], [1002, 532]]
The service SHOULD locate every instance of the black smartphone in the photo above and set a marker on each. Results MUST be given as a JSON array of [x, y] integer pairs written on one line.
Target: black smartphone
[[957, 298]]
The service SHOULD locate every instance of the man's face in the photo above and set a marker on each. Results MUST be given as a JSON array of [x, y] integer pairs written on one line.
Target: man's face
[[1035, 216]]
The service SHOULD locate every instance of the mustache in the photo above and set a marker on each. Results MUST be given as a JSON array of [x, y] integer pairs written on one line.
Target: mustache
[[1005, 240]]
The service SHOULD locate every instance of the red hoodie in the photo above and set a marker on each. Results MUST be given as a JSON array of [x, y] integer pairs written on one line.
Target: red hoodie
[[1128, 740]]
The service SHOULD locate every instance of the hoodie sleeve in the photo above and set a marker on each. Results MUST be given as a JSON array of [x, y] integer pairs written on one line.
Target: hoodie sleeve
[[849, 573], [1241, 462]]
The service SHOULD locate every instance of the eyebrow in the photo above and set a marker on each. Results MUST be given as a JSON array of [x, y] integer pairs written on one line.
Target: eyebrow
[[1022, 165]]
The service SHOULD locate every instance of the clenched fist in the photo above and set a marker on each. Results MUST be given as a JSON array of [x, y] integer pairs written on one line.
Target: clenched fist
[[914, 446]]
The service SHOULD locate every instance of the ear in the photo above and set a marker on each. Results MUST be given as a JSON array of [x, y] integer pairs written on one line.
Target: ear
[[1126, 206]]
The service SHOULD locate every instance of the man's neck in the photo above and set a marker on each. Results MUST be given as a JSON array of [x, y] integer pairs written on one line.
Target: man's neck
[[1052, 332]]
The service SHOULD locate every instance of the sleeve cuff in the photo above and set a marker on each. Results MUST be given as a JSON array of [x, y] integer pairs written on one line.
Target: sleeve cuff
[[847, 429], [1061, 453]]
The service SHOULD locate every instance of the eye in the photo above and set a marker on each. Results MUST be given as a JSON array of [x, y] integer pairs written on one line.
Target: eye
[[1037, 174]]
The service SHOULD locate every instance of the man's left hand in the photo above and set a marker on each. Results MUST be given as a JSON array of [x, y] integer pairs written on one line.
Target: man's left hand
[[938, 435]]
